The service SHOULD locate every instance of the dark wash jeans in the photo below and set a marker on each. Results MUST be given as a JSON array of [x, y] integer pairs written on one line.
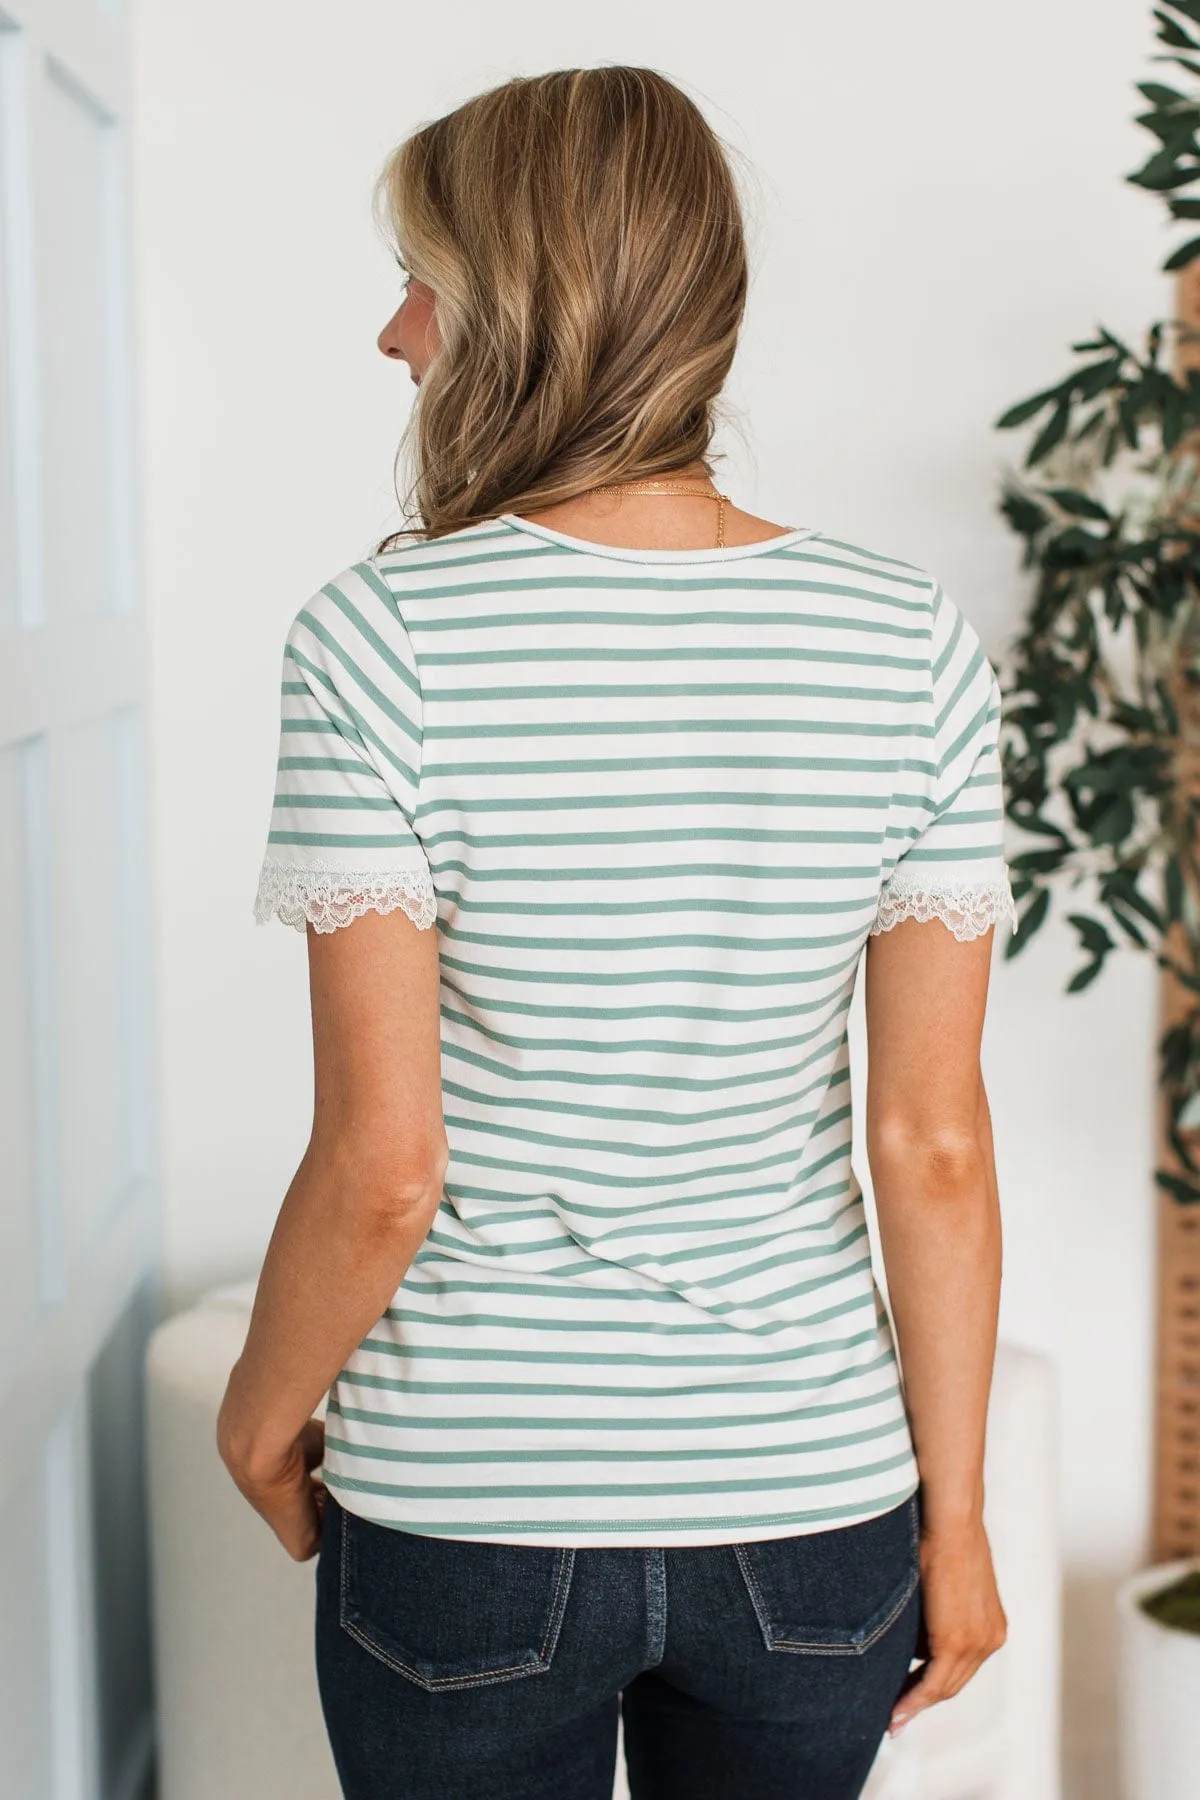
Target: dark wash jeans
[[450, 1669]]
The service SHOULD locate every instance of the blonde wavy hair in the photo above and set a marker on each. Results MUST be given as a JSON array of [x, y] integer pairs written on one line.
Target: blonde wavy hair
[[583, 235]]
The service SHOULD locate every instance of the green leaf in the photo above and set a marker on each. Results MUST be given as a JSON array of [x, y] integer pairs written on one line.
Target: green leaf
[[1092, 935], [1023, 513], [1179, 259], [1172, 127], [1171, 33], [1034, 822], [1158, 95], [1096, 377], [1052, 433], [1108, 337], [1029, 922], [1115, 823], [1127, 414], [1037, 862], [1080, 505], [1133, 718], [1184, 209], [1123, 886], [1185, 1191], [1017, 415], [1173, 889], [1092, 423], [1174, 1052], [1186, 978], [1128, 925], [1085, 976], [1157, 171], [1163, 172]]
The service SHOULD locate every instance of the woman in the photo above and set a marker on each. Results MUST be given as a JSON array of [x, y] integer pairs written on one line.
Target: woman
[[615, 1417]]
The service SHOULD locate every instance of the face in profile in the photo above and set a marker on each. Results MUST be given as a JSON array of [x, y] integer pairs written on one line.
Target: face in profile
[[411, 334]]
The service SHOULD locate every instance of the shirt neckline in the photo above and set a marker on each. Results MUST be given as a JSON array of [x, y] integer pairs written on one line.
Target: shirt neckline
[[726, 553]]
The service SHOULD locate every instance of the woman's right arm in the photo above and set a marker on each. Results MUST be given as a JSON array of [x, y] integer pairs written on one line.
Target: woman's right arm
[[929, 1145]]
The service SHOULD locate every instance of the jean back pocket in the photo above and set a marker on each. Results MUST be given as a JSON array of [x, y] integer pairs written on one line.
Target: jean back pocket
[[451, 1612], [833, 1593]]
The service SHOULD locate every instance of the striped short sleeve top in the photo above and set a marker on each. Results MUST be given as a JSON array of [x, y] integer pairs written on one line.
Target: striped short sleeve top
[[653, 802]]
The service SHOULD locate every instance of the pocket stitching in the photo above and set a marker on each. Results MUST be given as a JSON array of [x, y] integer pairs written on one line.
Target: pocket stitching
[[486, 1678], [813, 1647]]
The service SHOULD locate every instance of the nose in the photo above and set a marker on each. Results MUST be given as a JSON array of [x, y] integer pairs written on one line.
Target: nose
[[387, 339]]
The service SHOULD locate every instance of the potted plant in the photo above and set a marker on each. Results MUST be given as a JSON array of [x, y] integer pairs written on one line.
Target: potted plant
[[1158, 1648], [1101, 758]]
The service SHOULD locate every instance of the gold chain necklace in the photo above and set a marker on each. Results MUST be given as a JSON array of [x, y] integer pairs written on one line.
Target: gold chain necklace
[[654, 487]]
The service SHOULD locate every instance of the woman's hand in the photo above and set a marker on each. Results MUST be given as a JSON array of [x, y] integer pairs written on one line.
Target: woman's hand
[[963, 1621], [279, 1485]]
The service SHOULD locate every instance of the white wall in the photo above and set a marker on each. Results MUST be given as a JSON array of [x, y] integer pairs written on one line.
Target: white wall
[[941, 212]]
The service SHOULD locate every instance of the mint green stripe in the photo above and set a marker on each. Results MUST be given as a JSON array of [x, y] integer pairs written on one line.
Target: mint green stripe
[[339, 802], [547, 1458], [755, 765], [576, 728], [614, 1356], [616, 1490], [549, 1422], [458, 1384]]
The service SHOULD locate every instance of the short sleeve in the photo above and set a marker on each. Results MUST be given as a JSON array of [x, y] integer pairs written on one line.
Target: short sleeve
[[342, 840], [952, 866]]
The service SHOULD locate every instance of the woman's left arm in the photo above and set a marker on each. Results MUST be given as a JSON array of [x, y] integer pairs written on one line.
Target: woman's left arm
[[356, 1213]]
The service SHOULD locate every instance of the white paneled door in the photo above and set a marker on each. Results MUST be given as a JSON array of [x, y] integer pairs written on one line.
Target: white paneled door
[[78, 1255]]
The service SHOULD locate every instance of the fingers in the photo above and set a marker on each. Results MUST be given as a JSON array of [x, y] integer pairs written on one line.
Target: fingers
[[947, 1672], [300, 1531], [941, 1678], [312, 1442], [291, 1498], [296, 1515]]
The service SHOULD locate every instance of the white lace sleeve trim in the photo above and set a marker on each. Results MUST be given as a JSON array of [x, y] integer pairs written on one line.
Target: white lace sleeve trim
[[326, 898], [968, 909]]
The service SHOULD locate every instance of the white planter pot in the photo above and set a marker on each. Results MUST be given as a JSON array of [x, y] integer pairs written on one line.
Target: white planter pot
[[1158, 1694]]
